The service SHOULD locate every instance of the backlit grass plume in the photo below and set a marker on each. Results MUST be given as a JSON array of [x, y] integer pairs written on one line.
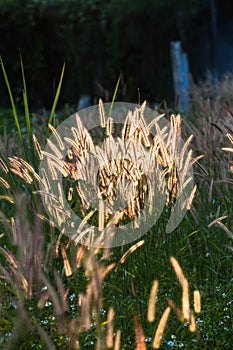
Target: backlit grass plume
[[115, 181]]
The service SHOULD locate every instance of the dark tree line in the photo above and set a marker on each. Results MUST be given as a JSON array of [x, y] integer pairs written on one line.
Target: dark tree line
[[99, 39]]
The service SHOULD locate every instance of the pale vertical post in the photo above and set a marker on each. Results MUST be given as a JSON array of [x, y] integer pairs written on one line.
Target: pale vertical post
[[180, 72]]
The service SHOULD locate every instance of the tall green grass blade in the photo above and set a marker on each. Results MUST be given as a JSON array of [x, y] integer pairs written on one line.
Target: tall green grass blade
[[26, 109], [114, 95], [52, 114], [12, 100]]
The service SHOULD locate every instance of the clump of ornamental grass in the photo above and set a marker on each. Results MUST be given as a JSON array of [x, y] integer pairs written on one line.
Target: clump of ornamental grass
[[212, 89], [131, 170], [209, 118], [229, 181], [229, 149], [41, 269]]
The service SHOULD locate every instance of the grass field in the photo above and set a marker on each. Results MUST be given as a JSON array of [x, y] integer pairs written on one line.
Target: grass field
[[55, 294]]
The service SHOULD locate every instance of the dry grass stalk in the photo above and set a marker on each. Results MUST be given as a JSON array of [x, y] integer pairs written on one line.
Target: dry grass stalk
[[227, 149]]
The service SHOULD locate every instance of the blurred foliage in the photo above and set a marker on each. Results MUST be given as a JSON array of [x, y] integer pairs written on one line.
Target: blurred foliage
[[97, 40]]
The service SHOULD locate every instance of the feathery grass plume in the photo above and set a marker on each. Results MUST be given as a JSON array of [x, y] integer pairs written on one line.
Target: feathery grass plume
[[9, 199], [57, 136], [23, 269], [4, 183], [58, 301], [219, 219], [140, 337], [67, 267], [3, 166], [117, 343], [185, 313], [175, 308], [185, 289], [102, 114], [90, 303], [37, 147], [131, 250], [19, 169], [227, 149], [226, 229], [25, 266], [197, 301], [11, 259], [122, 165], [23, 169], [192, 323], [110, 329], [230, 137], [152, 302], [118, 175], [210, 116], [160, 329]]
